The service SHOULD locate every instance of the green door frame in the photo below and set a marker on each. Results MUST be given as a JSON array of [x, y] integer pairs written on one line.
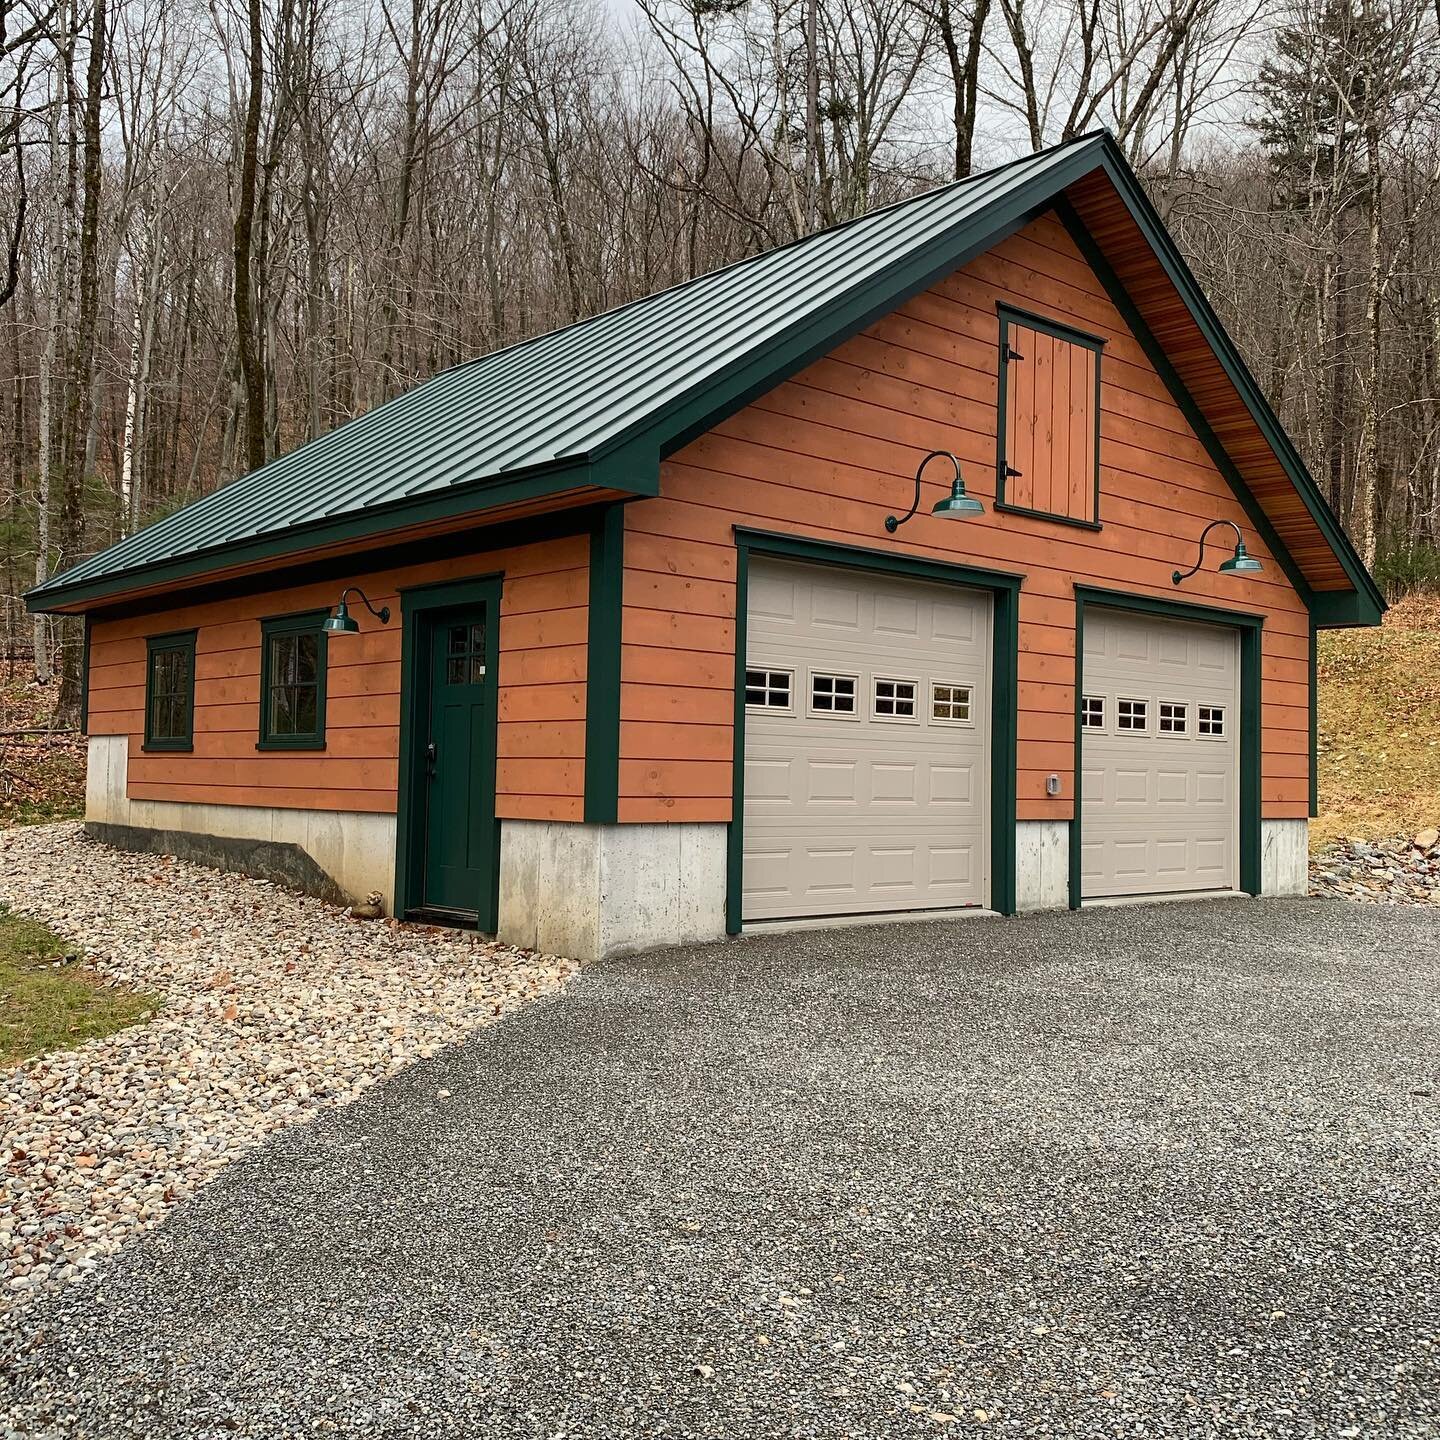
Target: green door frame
[[1004, 590], [418, 603], [1249, 628]]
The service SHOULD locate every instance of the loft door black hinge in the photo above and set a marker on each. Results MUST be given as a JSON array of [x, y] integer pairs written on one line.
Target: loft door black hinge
[[1008, 353]]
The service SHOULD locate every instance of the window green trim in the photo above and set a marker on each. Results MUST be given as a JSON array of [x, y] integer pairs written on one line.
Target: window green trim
[[179, 735], [277, 627], [1250, 629], [602, 672], [1004, 699], [419, 605], [1009, 316]]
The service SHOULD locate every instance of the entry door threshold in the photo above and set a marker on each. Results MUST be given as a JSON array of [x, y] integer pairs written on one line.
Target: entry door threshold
[[850, 922], [1111, 902]]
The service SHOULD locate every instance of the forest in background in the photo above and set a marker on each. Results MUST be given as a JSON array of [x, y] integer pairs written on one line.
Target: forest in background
[[227, 226]]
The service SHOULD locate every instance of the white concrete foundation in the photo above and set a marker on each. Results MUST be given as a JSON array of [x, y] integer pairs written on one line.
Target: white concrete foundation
[[356, 849], [1042, 864], [1284, 857], [593, 890]]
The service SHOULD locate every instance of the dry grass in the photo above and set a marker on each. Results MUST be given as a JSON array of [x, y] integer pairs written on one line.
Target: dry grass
[[1380, 726]]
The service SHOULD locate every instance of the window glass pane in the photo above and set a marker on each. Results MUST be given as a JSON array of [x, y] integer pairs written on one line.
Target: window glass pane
[[455, 670], [282, 715], [1131, 714], [477, 667], [305, 703], [307, 658], [477, 639], [457, 641], [1092, 713]]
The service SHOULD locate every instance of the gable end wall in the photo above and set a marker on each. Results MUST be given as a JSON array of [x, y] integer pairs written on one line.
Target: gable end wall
[[831, 452]]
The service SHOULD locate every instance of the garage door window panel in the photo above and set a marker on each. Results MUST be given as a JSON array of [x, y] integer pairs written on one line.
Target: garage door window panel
[[895, 700], [1132, 716], [769, 689], [1210, 722], [834, 696], [1174, 718], [951, 704], [1092, 712], [1047, 463]]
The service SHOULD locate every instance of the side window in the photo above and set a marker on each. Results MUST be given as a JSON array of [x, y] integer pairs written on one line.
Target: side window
[[292, 682], [1174, 717], [1210, 721], [894, 699], [1047, 462], [768, 689], [950, 704], [1092, 712], [1132, 714], [833, 694], [170, 691]]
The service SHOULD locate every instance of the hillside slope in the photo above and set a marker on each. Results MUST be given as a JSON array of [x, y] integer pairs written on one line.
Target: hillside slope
[[1380, 726]]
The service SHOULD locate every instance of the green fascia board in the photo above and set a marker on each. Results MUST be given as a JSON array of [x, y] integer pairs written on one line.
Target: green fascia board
[[1118, 170], [1342, 609], [631, 472]]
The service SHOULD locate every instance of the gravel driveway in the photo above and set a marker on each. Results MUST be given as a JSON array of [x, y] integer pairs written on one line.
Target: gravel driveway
[[1162, 1170]]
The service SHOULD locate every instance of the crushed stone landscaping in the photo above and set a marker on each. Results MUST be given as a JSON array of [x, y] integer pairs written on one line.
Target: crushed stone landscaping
[[275, 1006], [1404, 870]]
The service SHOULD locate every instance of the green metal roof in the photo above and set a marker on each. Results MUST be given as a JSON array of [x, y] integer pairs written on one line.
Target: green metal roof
[[597, 403]]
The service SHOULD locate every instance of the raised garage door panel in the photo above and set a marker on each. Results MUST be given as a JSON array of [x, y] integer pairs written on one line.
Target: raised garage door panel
[[1160, 756], [855, 810]]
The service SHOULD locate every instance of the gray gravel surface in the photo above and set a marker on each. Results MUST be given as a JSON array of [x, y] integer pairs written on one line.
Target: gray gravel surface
[[1168, 1170]]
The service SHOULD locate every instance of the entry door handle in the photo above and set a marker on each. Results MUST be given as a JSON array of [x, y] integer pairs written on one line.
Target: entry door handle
[[430, 759]]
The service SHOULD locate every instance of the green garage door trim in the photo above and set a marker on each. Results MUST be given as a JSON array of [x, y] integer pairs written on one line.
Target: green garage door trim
[[1249, 628], [1004, 591]]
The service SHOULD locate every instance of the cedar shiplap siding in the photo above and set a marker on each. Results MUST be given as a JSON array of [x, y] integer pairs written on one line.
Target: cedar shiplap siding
[[541, 729], [831, 452]]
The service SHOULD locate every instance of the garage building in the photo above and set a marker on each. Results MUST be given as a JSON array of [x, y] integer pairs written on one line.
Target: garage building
[[949, 559]]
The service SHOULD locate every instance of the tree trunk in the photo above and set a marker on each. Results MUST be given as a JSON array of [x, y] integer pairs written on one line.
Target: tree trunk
[[251, 380]]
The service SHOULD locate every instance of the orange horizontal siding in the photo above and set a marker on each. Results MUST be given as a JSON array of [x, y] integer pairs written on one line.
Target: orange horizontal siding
[[831, 452]]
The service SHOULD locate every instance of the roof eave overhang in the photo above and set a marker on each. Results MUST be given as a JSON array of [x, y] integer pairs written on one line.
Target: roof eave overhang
[[626, 472]]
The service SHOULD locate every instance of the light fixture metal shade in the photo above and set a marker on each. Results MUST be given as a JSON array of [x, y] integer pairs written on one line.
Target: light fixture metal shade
[[957, 504], [1242, 562], [341, 622]]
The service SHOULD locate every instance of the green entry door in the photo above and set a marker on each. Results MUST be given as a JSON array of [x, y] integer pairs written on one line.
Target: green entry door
[[460, 838]]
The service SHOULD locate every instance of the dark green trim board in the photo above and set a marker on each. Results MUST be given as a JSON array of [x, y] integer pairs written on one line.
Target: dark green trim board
[[602, 667], [85, 679], [1004, 699], [181, 642], [1249, 629], [418, 605], [1009, 316], [278, 627], [1313, 701]]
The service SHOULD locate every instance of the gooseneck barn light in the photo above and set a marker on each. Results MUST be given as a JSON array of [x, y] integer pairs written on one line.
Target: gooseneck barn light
[[342, 622], [957, 504], [1242, 562]]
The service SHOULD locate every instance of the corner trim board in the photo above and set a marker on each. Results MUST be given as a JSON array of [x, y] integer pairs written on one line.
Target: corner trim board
[[602, 666]]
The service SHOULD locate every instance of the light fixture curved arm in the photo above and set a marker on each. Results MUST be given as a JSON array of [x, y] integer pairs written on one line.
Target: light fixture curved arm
[[1242, 562], [891, 523], [341, 623], [382, 614]]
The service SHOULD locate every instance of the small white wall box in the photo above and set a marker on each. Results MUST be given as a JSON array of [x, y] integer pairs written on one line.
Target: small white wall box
[[1052, 784]]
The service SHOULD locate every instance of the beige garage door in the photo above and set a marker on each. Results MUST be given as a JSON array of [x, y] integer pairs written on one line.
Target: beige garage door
[[1160, 756], [866, 744]]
